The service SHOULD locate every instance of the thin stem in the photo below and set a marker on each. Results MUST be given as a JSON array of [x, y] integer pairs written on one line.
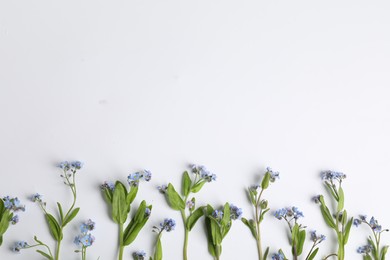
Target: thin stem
[[329, 256], [121, 246], [311, 250], [58, 249], [186, 232], [258, 221]]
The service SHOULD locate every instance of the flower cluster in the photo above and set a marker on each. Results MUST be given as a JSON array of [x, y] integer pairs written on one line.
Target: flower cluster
[[317, 238], [108, 185], [134, 178], [19, 245], [374, 225], [202, 171], [277, 256], [273, 175], [13, 204], [85, 239], [291, 212], [235, 212], [332, 175], [162, 189], [139, 255], [168, 225], [366, 250], [66, 166], [217, 214]]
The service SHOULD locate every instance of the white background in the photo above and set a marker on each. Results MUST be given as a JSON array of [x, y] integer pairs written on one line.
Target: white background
[[301, 86]]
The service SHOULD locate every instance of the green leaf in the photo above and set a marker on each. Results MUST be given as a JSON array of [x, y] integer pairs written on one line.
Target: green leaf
[[226, 221], [119, 205], [327, 216], [174, 199], [4, 222], [186, 184], [340, 204], [71, 216], [367, 257], [313, 254], [1, 240], [2, 208], [131, 196], [194, 217], [383, 252], [61, 212], [107, 195], [347, 230], [332, 192], [136, 224], [54, 227], [158, 253], [301, 241], [198, 186], [266, 253], [265, 181], [262, 215], [44, 254], [252, 196], [251, 225]]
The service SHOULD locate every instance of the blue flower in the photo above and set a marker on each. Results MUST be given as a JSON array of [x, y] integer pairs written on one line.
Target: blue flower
[[357, 222], [77, 165], [36, 197], [14, 220], [64, 165], [84, 240], [317, 238], [277, 256], [364, 249], [168, 224], [147, 175], [190, 204], [332, 175], [280, 213], [217, 214], [133, 179], [235, 212], [13, 204], [19, 245], [203, 172], [374, 225], [89, 225], [273, 175], [147, 212], [108, 185], [139, 255], [162, 189]]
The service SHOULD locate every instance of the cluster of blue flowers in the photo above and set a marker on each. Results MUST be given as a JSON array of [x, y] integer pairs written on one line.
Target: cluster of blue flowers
[[14, 205], [317, 238], [277, 256], [85, 239], [203, 172], [332, 175], [108, 185], [291, 212], [235, 213], [139, 255], [374, 225], [134, 178], [75, 165], [274, 175], [168, 224], [19, 245]]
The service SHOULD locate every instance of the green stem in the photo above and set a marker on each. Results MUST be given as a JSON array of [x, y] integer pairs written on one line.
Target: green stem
[[121, 246], [58, 249], [185, 246], [258, 215]]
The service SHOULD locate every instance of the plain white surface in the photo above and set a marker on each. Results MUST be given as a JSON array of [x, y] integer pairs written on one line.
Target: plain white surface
[[301, 86]]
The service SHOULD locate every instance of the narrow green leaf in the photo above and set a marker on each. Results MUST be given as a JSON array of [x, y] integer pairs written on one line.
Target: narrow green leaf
[[197, 186], [301, 241], [107, 195], [265, 181], [210, 244], [266, 253], [186, 184], [174, 199], [131, 196], [194, 217], [158, 253], [367, 257], [71, 216], [44, 254], [61, 212], [347, 230], [2, 208], [313, 254], [384, 252], [332, 192], [327, 216], [226, 215], [54, 227], [4, 222], [119, 205], [251, 225], [340, 204], [262, 214], [1, 240]]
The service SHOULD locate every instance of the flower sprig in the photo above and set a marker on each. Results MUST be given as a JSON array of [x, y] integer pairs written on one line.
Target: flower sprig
[[85, 239], [218, 224], [187, 207], [373, 249], [261, 208], [9, 206], [56, 226], [338, 221], [119, 199]]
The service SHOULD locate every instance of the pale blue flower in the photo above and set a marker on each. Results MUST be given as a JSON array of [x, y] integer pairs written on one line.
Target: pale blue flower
[[168, 224], [19, 245], [139, 255], [235, 212]]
